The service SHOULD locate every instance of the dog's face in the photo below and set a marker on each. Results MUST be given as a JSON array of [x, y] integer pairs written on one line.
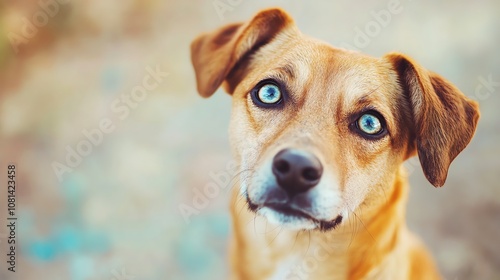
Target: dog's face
[[320, 131]]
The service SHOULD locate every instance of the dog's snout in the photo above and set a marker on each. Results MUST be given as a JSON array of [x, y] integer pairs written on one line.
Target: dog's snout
[[296, 170]]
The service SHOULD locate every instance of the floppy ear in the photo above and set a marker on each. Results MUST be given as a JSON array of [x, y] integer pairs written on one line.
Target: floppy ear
[[215, 54], [444, 119]]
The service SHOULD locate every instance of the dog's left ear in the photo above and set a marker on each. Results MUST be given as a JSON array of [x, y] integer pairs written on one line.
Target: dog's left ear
[[215, 54], [444, 119]]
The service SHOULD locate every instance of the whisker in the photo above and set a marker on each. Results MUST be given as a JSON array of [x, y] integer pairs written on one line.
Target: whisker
[[295, 240], [308, 242], [243, 206], [364, 226], [352, 232], [240, 197], [383, 190], [281, 228], [254, 227], [238, 176]]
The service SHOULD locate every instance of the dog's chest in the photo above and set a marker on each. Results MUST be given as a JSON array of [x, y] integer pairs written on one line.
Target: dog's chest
[[314, 263]]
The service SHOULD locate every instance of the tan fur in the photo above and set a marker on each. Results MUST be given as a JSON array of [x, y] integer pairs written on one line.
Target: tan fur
[[326, 87]]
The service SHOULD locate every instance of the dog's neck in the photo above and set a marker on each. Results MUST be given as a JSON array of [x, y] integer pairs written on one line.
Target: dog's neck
[[381, 231], [368, 239]]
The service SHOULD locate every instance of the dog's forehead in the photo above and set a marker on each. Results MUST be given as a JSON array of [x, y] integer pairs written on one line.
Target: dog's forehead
[[337, 76]]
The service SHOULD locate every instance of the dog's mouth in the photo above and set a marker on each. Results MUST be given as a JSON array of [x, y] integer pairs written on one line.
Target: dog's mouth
[[296, 214], [287, 210]]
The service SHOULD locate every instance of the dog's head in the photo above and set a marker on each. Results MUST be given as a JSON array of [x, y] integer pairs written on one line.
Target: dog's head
[[318, 130]]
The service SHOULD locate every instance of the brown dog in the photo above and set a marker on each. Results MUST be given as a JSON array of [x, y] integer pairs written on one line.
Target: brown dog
[[320, 134]]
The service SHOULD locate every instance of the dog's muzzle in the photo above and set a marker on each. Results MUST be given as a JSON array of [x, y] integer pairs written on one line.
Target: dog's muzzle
[[296, 171], [293, 196]]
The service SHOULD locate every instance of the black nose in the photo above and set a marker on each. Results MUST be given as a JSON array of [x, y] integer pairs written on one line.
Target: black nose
[[296, 170]]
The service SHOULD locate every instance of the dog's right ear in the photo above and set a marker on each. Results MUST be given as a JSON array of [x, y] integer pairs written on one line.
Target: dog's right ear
[[215, 54], [444, 119]]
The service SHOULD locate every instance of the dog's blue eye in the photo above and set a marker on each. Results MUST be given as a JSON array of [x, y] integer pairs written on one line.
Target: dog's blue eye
[[269, 94], [369, 124]]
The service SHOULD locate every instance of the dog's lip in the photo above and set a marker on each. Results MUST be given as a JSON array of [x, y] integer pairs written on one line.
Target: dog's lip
[[288, 210], [280, 207], [328, 225]]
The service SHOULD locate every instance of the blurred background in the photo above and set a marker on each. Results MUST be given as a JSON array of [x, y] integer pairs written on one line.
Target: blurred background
[[110, 150]]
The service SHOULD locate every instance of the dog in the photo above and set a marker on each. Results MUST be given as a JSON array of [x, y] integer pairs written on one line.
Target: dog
[[320, 134]]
